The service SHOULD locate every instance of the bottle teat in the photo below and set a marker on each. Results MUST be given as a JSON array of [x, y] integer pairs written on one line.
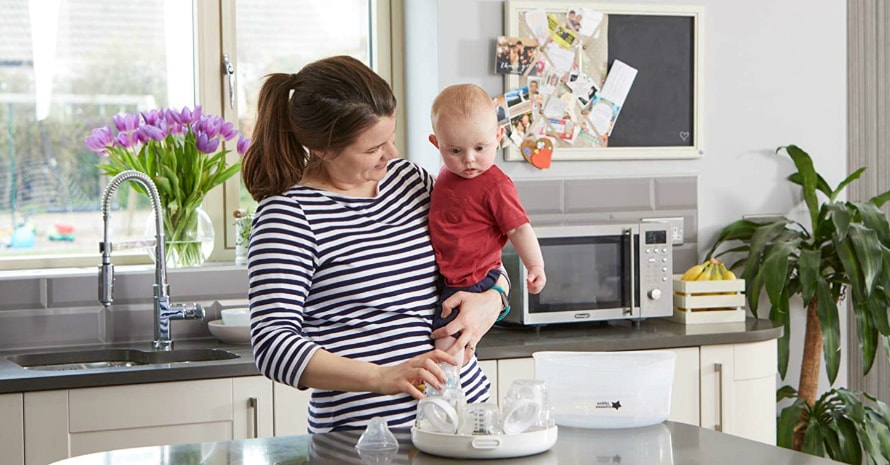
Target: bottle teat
[[377, 437]]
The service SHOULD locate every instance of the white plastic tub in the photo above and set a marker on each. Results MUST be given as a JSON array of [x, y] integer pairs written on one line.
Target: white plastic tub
[[608, 389]]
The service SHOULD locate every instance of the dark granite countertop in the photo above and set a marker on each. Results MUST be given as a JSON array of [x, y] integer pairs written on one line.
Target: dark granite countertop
[[518, 342], [665, 443], [499, 343]]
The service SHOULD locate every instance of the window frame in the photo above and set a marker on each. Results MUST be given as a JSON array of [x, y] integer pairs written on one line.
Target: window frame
[[215, 35]]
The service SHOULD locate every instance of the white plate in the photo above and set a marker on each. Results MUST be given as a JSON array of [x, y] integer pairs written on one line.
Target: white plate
[[464, 446], [229, 334]]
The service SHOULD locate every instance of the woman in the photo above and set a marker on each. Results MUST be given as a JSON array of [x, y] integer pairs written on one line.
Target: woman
[[342, 274]]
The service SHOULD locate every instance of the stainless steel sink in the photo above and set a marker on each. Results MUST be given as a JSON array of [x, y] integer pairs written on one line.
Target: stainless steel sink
[[108, 358]]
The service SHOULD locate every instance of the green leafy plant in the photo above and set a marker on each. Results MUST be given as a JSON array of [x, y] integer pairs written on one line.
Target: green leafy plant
[[844, 252], [838, 424]]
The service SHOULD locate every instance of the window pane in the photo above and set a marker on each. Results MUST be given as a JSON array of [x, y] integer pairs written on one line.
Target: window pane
[[67, 66], [278, 37]]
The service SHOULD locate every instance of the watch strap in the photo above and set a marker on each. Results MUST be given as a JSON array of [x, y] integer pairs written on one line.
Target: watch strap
[[505, 300]]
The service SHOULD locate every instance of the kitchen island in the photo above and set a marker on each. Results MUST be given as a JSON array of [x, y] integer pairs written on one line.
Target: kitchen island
[[666, 443]]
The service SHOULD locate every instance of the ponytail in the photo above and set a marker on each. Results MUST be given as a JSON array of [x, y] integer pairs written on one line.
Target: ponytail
[[275, 160]]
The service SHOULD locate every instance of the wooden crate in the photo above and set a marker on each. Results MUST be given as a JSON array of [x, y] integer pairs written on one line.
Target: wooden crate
[[699, 302]]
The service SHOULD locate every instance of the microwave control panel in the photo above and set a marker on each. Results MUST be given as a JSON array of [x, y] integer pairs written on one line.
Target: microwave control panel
[[656, 270]]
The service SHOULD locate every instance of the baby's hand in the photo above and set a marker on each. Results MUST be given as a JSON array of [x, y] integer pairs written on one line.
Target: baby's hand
[[536, 279]]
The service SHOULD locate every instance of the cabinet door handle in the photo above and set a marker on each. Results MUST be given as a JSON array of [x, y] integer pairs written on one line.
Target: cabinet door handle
[[252, 403], [718, 369]]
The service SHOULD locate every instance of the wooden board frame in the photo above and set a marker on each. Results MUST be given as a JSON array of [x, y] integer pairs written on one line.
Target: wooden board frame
[[569, 152]]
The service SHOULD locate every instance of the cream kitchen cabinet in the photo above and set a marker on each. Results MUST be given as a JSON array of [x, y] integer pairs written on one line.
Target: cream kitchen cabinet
[[291, 410], [12, 433], [66, 423], [738, 389], [509, 370]]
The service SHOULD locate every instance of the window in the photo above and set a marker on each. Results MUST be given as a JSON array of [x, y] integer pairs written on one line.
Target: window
[[67, 66]]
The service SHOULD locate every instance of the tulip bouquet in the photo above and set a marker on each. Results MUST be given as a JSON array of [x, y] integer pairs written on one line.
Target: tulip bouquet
[[179, 150]]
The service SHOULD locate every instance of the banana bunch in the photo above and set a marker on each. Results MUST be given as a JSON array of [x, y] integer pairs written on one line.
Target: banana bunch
[[711, 270]]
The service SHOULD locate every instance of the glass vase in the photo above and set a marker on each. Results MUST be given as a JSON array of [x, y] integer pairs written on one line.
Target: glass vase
[[188, 237]]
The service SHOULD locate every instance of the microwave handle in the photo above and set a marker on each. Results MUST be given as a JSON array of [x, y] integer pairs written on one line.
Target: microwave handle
[[633, 272]]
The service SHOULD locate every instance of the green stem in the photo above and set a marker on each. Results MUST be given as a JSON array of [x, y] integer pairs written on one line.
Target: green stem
[[183, 246]]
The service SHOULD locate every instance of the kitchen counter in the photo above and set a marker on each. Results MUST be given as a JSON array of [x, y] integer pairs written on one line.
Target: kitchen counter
[[499, 343], [666, 443]]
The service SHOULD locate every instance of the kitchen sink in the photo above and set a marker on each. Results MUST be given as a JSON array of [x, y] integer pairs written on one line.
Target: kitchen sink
[[109, 358]]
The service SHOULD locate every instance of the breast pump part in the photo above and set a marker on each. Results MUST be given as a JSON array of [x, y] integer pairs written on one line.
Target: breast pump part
[[437, 415], [377, 437], [520, 415]]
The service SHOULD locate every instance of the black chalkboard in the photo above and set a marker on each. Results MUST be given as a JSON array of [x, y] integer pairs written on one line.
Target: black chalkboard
[[659, 110]]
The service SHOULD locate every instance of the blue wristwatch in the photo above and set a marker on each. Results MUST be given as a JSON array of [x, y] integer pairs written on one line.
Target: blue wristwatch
[[504, 300]]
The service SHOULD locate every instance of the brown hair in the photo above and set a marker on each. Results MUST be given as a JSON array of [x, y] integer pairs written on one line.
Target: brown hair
[[461, 100], [325, 106]]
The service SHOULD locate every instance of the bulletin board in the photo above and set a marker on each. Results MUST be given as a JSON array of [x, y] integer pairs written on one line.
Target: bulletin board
[[643, 62]]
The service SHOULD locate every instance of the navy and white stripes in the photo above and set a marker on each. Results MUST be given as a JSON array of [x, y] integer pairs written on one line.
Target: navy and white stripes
[[356, 276]]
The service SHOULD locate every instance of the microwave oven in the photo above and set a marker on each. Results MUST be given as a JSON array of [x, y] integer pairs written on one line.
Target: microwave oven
[[595, 273]]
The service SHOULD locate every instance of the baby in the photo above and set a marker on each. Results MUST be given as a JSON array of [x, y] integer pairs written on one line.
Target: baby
[[475, 207]]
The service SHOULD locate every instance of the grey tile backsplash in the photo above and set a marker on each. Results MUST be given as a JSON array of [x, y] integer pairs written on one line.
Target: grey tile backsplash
[[579, 201], [61, 309]]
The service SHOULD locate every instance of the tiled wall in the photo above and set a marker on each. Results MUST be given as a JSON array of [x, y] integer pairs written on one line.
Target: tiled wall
[[62, 308], [59, 308], [578, 201]]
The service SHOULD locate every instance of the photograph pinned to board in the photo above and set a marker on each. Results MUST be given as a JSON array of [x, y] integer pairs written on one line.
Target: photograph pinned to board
[[515, 55], [594, 62]]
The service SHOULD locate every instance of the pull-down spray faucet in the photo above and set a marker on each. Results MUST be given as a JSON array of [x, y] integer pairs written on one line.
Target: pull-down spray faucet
[[164, 311]]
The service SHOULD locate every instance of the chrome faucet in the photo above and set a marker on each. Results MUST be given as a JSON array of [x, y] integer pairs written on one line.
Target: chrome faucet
[[164, 311]]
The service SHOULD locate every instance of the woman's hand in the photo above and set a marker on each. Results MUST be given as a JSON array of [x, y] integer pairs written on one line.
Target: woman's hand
[[478, 312], [407, 376]]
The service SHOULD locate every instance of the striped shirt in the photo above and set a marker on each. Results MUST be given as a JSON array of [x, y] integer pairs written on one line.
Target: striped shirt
[[355, 276]]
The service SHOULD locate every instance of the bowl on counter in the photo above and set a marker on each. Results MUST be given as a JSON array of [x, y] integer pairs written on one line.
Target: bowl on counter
[[229, 334], [235, 316]]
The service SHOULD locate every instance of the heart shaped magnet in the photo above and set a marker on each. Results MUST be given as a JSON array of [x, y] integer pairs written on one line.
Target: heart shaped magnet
[[538, 152]]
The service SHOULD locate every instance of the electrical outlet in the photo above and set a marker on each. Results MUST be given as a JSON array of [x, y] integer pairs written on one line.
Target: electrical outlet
[[675, 228]]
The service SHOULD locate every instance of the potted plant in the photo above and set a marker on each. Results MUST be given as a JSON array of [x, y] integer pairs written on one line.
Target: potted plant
[[843, 253]]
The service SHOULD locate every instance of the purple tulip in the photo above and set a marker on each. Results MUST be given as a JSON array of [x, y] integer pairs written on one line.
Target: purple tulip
[[176, 129], [205, 144], [127, 122], [228, 131], [151, 133], [152, 117], [189, 116], [123, 140], [172, 117], [99, 140], [139, 136], [209, 125], [161, 124], [243, 144]]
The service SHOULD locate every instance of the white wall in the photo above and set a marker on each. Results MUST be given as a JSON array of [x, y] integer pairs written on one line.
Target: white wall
[[774, 73]]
